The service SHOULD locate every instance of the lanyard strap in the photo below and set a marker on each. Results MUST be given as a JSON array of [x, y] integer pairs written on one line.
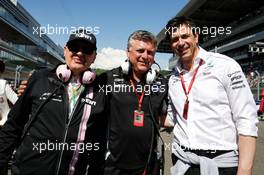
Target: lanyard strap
[[82, 131], [139, 99], [186, 104], [192, 81]]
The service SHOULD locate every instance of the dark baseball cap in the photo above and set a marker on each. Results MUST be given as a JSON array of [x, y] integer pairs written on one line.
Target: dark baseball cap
[[85, 36]]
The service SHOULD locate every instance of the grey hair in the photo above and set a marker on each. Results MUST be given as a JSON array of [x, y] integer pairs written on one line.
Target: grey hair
[[141, 35]]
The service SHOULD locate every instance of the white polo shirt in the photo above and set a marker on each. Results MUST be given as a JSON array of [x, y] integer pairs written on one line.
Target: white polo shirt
[[221, 105]]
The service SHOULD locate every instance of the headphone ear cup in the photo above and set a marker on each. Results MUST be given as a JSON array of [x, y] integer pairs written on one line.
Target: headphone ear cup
[[63, 73], [88, 77], [125, 67], [151, 76]]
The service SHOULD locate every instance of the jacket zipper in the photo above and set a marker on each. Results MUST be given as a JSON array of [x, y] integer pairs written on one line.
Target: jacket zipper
[[67, 127]]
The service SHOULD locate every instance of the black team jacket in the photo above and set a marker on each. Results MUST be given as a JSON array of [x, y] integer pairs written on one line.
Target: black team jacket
[[50, 141]]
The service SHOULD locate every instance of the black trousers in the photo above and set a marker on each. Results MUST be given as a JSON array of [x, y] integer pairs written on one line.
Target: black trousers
[[112, 169], [195, 169]]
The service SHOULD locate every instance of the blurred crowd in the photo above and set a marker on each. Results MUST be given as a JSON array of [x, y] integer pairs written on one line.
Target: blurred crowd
[[254, 74]]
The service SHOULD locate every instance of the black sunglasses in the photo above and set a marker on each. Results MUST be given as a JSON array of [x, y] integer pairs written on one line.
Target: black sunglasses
[[75, 47]]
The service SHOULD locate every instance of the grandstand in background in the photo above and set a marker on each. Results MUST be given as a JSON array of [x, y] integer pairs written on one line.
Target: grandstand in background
[[21, 48], [245, 42]]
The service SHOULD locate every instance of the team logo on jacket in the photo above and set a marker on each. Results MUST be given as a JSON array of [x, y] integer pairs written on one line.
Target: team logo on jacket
[[45, 96], [89, 101]]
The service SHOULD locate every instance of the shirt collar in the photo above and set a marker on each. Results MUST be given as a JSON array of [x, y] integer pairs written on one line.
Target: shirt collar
[[202, 54], [74, 82]]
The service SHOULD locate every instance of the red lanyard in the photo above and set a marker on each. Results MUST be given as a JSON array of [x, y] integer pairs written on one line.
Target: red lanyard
[[186, 104], [140, 99]]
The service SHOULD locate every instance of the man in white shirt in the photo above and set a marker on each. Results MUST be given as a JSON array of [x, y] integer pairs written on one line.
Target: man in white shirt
[[211, 109], [6, 93]]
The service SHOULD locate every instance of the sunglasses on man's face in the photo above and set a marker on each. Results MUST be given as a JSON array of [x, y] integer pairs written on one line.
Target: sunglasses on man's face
[[74, 47]]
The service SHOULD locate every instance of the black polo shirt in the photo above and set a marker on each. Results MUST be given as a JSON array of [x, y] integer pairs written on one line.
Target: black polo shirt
[[130, 145]]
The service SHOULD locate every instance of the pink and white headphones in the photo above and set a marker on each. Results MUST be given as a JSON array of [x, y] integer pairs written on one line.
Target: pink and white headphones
[[64, 74]]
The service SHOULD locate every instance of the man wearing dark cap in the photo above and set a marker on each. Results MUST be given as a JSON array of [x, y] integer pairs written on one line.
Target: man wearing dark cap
[[132, 141], [57, 125]]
